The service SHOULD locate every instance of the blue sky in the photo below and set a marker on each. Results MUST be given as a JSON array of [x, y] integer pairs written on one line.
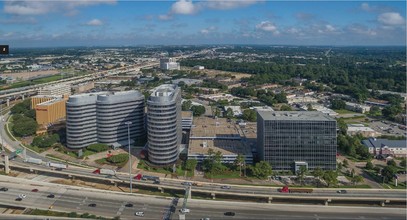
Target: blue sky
[[34, 23]]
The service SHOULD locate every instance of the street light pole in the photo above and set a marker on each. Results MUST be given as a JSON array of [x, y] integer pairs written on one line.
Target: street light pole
[[128, 123]]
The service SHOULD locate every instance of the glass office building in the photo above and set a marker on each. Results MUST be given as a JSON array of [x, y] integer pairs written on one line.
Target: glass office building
[[288, 140]]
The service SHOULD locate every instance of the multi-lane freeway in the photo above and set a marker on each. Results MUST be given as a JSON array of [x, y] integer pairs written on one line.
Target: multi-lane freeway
[[234, 189], [111, 204]]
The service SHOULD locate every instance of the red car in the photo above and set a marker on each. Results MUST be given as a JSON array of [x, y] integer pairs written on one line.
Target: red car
[[34, 190]]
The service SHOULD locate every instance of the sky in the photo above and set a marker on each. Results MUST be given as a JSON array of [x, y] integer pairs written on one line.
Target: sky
[[32, 23]]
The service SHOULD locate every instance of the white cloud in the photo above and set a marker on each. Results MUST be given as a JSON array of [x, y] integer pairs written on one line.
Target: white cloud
[[228, 4], [267, 26], [329, 28], [391, 18], [184, 7], [165, 17], [365, 7], [361, 30], [209, 30], [28, 7], [94, 22]]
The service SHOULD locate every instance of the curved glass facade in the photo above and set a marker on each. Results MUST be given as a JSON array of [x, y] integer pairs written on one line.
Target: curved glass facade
[[100, 118], [164, 125]]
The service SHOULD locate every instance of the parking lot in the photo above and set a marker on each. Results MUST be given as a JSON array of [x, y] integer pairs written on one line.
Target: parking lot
[[387, 128]]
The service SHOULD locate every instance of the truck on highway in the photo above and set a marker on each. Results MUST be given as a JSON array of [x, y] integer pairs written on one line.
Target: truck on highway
[[197, 184], [33, 160], [57, 165], [108, 172], [285, 189]]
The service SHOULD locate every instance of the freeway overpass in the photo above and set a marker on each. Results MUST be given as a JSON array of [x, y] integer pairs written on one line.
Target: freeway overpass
[[75, 80], [269, 194]]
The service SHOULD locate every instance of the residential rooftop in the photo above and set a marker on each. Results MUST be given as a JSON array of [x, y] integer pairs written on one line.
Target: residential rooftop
[[378, 143]]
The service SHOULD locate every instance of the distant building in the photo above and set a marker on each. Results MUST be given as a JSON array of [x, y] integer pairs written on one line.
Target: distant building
[[288, 140], [377, 102], [100, 118], [169, 64], [164, 124], [382, 148], [83, 87], [199, 67], [355, 129], [187, 118], [237, 111], [357, 107], [55, 90], [187, 82]]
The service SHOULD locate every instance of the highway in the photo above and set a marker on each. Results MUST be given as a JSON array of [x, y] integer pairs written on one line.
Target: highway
[[235, 189], [110, 204]]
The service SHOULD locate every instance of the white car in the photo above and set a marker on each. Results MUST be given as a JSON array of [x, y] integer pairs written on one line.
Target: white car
[[141, 214], [22, 196], [183, 211]]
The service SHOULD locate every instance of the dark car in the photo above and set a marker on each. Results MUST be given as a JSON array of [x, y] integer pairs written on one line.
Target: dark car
[[342, 191], [51, 196], [34, 190], [4, 189], [19, 199], [129, 205], [92, 205], [229, 213]]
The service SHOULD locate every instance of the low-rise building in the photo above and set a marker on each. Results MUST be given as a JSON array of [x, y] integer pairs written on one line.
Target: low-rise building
[[187, 81], [377, 102], [383, 148], [55, 90], [357, 107], [355, 129], [237, 111], [199, 67]]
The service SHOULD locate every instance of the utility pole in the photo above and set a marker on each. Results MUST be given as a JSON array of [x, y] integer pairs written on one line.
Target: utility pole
[[128, 123]]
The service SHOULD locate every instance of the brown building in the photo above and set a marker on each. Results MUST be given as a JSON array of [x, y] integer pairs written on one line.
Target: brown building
[[40, 99], [51, 110]]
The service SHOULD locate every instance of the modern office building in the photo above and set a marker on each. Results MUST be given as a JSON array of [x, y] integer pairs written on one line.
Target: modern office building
[[113, 110], [100, 118], [169, 64], [164, 124], [289, 140], [51, 111]]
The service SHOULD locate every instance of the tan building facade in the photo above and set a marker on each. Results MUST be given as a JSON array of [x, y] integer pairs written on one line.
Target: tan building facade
[[50, 110]]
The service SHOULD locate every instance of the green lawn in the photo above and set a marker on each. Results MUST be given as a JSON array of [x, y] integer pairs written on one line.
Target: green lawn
[[166, 170], [64, 214]]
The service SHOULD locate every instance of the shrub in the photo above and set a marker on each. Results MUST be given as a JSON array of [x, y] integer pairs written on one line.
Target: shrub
[[97, 147], [120, 158]]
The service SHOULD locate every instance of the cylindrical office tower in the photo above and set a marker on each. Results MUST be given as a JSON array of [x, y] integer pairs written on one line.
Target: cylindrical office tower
[[164, 125], [81, 120], [113, 110]]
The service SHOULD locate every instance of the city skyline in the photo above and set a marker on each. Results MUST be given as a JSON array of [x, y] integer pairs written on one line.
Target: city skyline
[[130, 23]]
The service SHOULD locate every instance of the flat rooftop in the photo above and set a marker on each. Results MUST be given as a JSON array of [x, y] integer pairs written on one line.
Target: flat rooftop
[[295, 116], [210, 127], [226, 147]]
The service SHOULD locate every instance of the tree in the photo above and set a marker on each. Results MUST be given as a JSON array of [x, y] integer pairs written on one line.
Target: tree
[[345, 163], [249, 115], [388, 173], [339, 166], [338, 104], [301, 174], [229, 113], [391, 163], [356, 179], [186, 105], [198, 110], [190, 165], [375, 111], [24, 126], [286, 108], [281, 97], [369, 165], [403, 163], [318, 173], [261, 170], [239, 162], [330, 177]]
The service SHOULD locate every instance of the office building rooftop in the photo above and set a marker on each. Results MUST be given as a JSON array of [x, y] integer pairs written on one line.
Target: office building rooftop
[[294, 116]]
